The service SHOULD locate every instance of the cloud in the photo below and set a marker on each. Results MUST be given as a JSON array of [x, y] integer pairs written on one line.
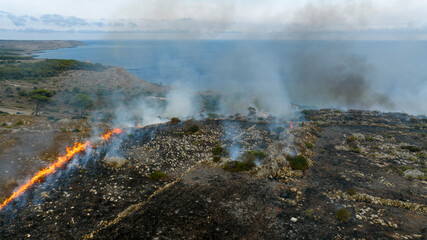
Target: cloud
[[132, 25], [62, 21], [17, 20]]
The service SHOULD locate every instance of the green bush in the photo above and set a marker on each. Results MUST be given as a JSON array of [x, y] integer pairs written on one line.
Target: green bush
[[76, 90], [309, 144], [280, 129], [259, 154], [298, 163], [238, 166], [357, 150], [351, 191], [216, 158], [22, 93], [342, 215], [219, 151], [412, 148], [36, 71], [157, 175], [175, 120], [191, 126], [351, 138], [20, 122], [8, 90]]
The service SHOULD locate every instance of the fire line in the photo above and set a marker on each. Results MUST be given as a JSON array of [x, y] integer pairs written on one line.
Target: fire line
[[60, 162]]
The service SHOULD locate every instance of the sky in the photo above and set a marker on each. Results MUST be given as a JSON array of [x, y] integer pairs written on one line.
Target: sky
[[214, 19]]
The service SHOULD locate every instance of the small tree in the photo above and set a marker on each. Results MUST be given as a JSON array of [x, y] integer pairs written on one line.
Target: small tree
[[83, 102], [41, 96]]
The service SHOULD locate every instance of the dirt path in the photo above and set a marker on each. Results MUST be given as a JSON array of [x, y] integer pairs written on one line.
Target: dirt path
[[16, 111]]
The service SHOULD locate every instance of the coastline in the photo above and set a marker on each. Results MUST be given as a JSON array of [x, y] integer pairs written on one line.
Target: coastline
[[30, 47]]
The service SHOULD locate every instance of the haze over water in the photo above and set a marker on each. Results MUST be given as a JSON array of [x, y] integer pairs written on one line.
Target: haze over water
[[392, 68]]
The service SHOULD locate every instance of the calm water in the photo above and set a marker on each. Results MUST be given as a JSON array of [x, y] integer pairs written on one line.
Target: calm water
[[199, 62]]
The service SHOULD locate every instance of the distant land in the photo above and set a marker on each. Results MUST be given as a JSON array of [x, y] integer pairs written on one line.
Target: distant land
[[26, 47]]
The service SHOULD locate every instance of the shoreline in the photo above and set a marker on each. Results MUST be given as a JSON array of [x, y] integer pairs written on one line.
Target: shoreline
[[30, 47]]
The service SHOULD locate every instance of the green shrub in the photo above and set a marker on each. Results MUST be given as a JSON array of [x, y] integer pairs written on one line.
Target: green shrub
[[371, 139], [298, 163], [20, 122], [412, 148], [309, 144], [357, 150], [219, 151], [259, 154], [8, 90], [342, 215], [76, 90], [191, 126], [351, 191], [216, 158], [38, 71], [175, 120], [238, 166], [352, 138], [404, 168], [22, 93], [280, 129], [157, 175], [195, 128]]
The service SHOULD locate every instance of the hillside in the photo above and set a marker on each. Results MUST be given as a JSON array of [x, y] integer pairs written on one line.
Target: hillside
[[237, 178]]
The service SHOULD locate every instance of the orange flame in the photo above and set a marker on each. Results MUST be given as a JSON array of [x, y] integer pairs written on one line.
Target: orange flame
[[264, 114], [60, 162], [292, 126], [107, 135]]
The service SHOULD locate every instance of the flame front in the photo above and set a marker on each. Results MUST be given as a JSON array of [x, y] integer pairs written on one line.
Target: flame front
[[60, 162], [292, 126], [107, 135]]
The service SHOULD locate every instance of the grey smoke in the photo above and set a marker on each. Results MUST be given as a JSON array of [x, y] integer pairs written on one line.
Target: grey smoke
[[330, 76], [319, 73]]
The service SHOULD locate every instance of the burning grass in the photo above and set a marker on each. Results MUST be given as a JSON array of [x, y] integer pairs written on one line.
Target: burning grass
[[61, 161]]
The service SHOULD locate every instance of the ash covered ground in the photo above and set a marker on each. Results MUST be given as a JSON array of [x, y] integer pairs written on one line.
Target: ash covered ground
[[234, 179]]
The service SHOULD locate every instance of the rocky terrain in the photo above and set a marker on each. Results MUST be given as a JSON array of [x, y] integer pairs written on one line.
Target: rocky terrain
[[364, 178]]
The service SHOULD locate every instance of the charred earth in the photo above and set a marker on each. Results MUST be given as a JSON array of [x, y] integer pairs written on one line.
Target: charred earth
[[355, 174]]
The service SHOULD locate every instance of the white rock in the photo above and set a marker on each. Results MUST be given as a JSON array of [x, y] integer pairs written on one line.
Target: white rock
[[413, 172], [294, 219]]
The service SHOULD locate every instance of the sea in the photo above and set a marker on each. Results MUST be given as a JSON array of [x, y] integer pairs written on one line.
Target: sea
[[327, 73], [202, 61]]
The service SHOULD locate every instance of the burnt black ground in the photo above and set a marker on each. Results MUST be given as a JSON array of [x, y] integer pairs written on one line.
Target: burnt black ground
[[206, 202]]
